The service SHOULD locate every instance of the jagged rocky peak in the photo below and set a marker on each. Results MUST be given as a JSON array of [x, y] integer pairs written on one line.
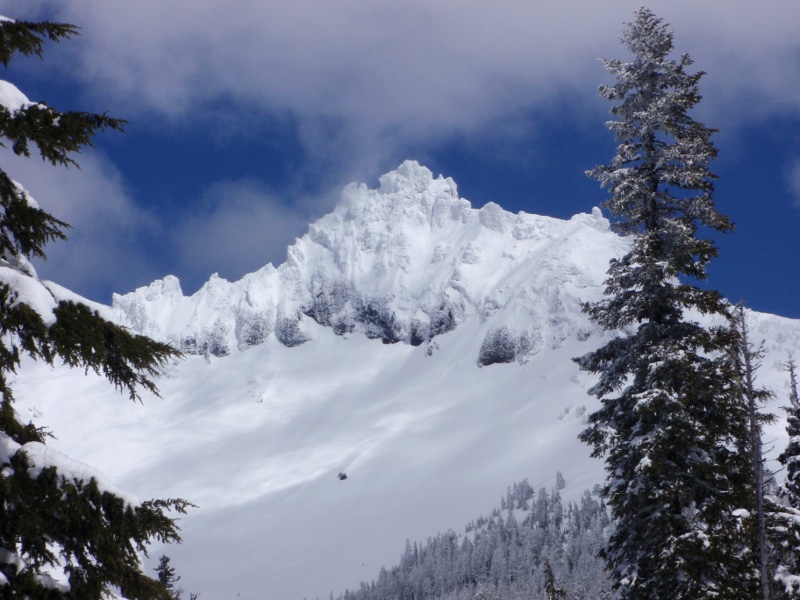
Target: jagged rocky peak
[[408, 193], [405, 262]]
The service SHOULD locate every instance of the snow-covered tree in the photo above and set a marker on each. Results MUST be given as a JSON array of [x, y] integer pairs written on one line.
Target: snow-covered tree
[[785, 515], [790, 458], [670, 420], [64, 531], [550, 588], [747, 359]]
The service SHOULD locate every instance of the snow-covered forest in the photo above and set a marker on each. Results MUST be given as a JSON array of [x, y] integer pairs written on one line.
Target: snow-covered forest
[[532, 539]]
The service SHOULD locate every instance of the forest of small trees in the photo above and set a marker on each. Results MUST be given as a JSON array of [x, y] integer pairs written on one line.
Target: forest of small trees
[[532, 538]]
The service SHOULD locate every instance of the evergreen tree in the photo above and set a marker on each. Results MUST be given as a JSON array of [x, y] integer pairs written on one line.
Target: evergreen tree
[[670, 420], [790, 458], [553, 592], [747, 359], [785, 515], [52, 519], [165, 574]]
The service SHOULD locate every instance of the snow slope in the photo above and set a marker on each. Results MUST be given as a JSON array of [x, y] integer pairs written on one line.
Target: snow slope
[[287, 383]]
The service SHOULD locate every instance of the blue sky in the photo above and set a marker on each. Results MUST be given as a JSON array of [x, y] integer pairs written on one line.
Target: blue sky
[[247, 117]]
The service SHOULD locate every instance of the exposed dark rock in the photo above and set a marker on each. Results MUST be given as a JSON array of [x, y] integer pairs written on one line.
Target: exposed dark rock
[[380, 321], [288, 332], [252, 331], [207, 343], [499, 346], [419, 333]]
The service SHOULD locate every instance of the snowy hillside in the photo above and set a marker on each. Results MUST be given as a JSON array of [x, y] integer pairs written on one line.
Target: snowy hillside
[[286, 384]]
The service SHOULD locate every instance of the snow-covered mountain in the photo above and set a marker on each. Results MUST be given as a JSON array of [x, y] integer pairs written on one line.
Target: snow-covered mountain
[[286, 384], [407, 262]]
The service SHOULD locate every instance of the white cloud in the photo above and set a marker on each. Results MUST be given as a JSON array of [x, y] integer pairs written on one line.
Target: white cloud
[[105, 222], [415, 69], [363, 78], [238, 227], [235, 228]]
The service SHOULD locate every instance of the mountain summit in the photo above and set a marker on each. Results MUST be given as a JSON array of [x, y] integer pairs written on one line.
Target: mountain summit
[[403, 263]]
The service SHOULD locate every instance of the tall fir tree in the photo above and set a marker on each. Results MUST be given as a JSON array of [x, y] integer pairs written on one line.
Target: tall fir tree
[[166, 575], [550, 588], [747, 359], [790, 457], [785, 511], [62, 534], [670, 421]]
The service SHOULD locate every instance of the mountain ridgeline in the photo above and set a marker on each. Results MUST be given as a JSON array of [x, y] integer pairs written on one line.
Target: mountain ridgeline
[[403, 263]]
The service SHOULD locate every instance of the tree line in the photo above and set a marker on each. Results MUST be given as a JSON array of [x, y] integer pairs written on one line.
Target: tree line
[[533, 538]]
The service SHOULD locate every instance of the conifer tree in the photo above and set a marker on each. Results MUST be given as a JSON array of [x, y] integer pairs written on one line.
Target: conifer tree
[[167, 577], [53, 518], [785, 515], [670, 420], [790, 458], [550, 588], [747, 359]]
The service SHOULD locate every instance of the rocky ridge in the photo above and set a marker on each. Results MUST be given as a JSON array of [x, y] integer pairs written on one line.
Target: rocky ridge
[[403, 263]]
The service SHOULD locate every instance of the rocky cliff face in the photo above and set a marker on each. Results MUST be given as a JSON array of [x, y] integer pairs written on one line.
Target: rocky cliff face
[[403, 263]]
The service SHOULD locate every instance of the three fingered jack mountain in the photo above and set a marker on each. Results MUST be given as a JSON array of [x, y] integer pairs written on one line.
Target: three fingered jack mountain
[[417, 344]]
